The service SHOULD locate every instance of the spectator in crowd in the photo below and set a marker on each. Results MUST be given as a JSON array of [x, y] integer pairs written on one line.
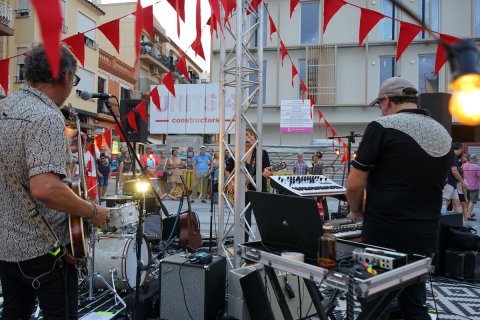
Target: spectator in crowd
[[151, 162], [201, 162], [471, 172], [317, 163], [90, 154], [450, 193], [103, 174], [175, 193], [175, 166], [300, 167], [163, 172], [126, 168]]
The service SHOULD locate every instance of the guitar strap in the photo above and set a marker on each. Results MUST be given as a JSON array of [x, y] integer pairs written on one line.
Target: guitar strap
[[55, 248]]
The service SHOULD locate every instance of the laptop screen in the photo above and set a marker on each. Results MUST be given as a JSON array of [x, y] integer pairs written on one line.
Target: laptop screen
[[287, 223]]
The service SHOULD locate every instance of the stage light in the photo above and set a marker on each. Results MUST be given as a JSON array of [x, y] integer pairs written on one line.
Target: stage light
[[465, 100], [142, 186], [337, 152]]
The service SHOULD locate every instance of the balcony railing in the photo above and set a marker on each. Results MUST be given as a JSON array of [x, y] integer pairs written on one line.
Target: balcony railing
[[5, 15], [22, 13]]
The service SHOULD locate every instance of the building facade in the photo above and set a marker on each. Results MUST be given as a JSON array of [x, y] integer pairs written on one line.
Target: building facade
[[343, 77]]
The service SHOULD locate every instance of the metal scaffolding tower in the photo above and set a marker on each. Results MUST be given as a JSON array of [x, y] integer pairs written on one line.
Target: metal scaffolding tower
[[242, 71]]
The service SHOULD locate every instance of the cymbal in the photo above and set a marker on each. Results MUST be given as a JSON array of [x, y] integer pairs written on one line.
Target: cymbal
[[116, 197]]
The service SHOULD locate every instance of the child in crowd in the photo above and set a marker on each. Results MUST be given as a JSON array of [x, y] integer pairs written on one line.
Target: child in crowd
[[175, 193]]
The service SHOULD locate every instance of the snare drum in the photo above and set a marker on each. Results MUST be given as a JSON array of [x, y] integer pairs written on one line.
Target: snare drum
[[117, 254], [124, 215]]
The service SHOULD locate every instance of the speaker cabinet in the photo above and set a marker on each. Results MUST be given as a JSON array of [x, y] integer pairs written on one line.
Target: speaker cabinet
[[455, 262], [126, 106], [437, 104], [192, 291]]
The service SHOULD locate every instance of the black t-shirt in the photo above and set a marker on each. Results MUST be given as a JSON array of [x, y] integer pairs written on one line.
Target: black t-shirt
[[451, 180], [407, 156], [230, 165]]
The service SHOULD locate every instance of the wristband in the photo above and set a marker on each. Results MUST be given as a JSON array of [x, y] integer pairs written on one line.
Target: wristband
[[94, 213]]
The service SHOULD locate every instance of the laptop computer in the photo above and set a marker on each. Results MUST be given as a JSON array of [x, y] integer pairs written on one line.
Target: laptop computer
[[287, 223]]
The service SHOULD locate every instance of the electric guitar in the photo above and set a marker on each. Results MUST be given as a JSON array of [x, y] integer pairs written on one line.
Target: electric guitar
[[190, 236], [76, 224]]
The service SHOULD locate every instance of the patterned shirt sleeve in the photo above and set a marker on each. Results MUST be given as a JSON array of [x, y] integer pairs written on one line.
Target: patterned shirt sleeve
[[369, 148], [46, 145]]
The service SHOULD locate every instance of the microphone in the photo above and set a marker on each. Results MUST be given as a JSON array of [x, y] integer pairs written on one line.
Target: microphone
[[85, 95]]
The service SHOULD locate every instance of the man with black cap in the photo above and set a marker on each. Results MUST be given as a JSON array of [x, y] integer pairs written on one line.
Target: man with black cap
[[402, 161]]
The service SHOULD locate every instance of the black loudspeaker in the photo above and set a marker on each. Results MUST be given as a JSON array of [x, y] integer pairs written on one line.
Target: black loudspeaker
[[437, 104], [471, 271], [127, 106], [256, 296], [455, 261], [147, 304], [192, 290]]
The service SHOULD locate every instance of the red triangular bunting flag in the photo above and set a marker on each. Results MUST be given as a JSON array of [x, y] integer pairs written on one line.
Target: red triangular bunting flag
[[254, 4], [119, 132], [368, 20], [273, 28], [108, 138], [408, 32], [330, 8], [168, 82], [50, 20], [294, 73], [132, 121], [345, 156], [179, 6], [228, 7], [304, 89], [4, 74], [155, 98], [148, 20], [111, 30], [216, 12], [99, 141], [142, 110], [327, 125], [284, 50], [293, 5], [76, 44], [138, 31], [440, 57], [213, 25], [182, 66], [197, 47], [320, 116]]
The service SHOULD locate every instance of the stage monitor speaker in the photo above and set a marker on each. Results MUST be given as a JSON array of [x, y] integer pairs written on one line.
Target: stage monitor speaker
[[455, 262], [191, 290], [126, 106], [437, 104]]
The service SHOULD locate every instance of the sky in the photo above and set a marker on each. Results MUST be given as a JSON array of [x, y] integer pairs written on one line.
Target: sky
[[167, 17]]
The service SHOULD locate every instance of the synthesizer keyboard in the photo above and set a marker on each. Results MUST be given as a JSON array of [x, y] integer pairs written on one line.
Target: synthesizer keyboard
[[307, 186]]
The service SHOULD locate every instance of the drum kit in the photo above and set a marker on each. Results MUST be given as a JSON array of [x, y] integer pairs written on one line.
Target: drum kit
[[112, 250]]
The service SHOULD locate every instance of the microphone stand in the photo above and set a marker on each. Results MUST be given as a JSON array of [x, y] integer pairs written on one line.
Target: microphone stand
[[350, 139], [139, 233]]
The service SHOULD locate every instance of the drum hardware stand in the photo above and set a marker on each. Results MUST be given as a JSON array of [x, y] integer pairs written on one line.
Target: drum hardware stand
[[350, 139], [143, 177]]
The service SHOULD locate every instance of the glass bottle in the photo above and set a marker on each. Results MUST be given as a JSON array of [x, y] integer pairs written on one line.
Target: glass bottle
[[326, 249]]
